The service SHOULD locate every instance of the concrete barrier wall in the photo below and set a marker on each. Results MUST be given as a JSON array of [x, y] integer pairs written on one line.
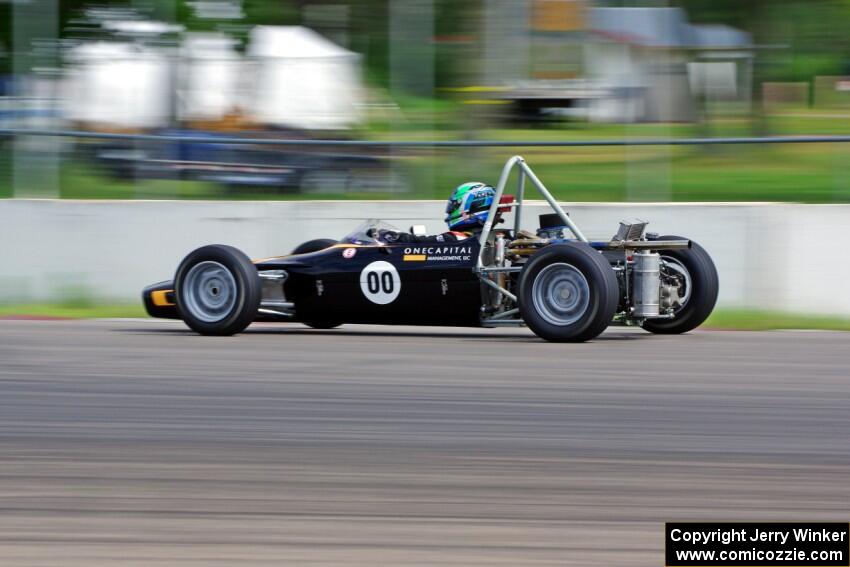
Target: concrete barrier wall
[[770, 256]]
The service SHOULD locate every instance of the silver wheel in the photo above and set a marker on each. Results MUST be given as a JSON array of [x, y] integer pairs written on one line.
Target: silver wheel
[[209, 292], [674, 267], [560, 294]]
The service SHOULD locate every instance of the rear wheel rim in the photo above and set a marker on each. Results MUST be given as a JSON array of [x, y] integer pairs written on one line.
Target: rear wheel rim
[[561, 294], [675, 267], [209, 292]]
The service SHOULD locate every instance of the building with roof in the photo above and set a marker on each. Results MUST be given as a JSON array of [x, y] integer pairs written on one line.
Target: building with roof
[[634, 63], [659, 66]]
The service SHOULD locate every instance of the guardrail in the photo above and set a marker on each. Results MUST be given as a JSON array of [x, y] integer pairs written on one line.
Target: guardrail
[[428, 143]]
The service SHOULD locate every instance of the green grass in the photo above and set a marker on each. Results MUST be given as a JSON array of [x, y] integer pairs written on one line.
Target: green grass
[[768, 320], [71, 310], [788, 174], [809, 173], [775, 173], [721, 319]]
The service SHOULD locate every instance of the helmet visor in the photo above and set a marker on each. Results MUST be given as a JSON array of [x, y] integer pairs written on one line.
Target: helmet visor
[[452, 206], [480, 203]]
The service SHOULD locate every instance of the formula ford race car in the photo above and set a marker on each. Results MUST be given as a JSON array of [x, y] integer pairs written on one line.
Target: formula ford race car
[[555, 281]]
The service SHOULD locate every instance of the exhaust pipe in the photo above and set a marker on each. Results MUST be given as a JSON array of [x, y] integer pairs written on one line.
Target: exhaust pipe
[[646, 245]]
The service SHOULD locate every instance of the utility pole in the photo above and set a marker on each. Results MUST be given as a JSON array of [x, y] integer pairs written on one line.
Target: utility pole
[[35, 60], [411, 65]]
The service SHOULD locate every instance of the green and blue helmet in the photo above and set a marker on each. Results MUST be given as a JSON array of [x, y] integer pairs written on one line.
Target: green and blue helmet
[[469, 205]]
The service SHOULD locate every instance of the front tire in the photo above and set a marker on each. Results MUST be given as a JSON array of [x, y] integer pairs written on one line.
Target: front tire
[[218, 290], [701, 273], [568, 293]]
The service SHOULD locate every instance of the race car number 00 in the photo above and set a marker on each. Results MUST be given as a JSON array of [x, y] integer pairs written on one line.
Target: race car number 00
[[380, 282]]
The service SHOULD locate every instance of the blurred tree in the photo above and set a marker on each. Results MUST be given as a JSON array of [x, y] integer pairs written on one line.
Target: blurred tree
[[5, 38], [796, 40], [809, 35], [730, 12], [454, 39], [455, 36], [277, 12], [369, 36]]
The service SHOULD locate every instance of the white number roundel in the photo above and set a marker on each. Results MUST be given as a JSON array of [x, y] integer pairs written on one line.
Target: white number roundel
[[380, 282]]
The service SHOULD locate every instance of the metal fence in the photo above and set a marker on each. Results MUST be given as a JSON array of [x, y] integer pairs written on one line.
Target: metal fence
[[428, 143], [253, 166]]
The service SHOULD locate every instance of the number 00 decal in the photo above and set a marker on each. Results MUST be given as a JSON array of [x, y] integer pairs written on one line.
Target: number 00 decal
[[380, 282]]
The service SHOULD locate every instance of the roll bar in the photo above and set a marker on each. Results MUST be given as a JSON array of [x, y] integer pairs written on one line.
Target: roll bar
[[524, 171]]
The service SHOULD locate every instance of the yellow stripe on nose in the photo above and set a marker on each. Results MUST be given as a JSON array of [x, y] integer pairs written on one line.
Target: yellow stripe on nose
[[159, 299], [415, 257]]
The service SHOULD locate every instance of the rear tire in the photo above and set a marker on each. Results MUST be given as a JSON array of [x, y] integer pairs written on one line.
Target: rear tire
[[314, 245], [568, 293], [322, 324], [218, 290], [702, 295]]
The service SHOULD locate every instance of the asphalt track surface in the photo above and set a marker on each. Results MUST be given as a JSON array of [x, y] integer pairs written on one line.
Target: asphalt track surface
[[138, 443]]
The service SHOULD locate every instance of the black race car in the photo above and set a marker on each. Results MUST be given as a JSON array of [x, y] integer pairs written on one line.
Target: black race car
[[555, 281]]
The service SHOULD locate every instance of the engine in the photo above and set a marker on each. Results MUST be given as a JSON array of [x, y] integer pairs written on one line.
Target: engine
[[652, 285]]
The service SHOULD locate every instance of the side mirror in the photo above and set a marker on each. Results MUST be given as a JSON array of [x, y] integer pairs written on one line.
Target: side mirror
[[418, 230]]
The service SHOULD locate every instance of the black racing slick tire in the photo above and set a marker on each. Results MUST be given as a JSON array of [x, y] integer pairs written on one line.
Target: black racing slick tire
[[323, 324], [568, 293], [314, 245], [217, 290], [702, 276]]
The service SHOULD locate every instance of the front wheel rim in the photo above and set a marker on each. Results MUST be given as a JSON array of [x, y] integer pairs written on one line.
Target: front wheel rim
[[561, 294], [209, 292]]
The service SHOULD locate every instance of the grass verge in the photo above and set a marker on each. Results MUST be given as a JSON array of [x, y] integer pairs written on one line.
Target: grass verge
[[71, 311], [732, 319], [746, 320], [809, 173]]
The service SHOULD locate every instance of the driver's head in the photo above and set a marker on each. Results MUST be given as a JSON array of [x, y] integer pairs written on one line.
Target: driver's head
[[469, 206]]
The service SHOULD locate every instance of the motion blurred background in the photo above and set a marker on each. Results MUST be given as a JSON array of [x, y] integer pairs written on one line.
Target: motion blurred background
[[138, 443], [489, 70], [423, 69]]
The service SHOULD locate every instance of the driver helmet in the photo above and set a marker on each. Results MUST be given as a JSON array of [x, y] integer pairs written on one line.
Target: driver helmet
[[469, 205]]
